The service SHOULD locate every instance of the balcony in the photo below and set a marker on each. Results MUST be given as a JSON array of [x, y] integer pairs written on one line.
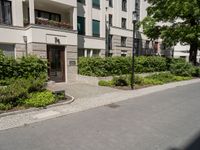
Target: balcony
[[50, 13]]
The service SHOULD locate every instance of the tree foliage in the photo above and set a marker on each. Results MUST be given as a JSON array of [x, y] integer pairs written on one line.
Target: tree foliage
[[174, 21]]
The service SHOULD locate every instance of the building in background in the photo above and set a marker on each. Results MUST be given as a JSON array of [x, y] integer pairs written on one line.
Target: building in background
[[177, 51]]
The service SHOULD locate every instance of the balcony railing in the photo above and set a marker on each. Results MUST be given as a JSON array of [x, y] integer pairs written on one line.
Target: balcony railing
[[50, 23]]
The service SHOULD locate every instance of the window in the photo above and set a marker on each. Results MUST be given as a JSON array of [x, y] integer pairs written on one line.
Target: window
[[110, 42], [96, 4], [110, 20], [123, 53], [110, 3], [123, 41], [47, 15], [8, 49], [81, 25], [124, 5], [81, 1], [124, 23], [96, 28], [5, 12]]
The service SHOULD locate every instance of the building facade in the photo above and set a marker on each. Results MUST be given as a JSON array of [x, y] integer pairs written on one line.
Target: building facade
[[46, 28]]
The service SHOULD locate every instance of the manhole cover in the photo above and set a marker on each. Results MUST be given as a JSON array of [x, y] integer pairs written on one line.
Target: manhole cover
[[113, 105]]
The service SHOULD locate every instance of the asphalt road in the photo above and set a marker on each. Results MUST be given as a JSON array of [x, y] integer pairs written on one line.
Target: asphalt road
[[166, 120]]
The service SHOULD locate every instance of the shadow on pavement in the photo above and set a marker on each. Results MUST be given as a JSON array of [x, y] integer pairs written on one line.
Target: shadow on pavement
[[194, 144]]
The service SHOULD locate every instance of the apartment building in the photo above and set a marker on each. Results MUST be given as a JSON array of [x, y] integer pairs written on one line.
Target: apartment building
[[105, 27], [91, 27], [46, 28]]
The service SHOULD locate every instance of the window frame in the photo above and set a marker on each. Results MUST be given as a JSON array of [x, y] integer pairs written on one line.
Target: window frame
[[123, 41], [94, 34], [110, 3], [95, 5], [124, 5], [3, 12], [81, 33], [124, 23]]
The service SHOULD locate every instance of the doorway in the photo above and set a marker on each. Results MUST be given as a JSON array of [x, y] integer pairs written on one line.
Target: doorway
[[56, 63]]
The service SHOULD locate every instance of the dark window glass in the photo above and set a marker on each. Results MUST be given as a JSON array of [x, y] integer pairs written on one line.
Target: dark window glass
[[110, 20], [81, 25], [47, 15], [124, 5], [96, 28], [124, 23], [5, 12], [81, 1], [110, 3], [96, 3], [110, 41], [123, 41]]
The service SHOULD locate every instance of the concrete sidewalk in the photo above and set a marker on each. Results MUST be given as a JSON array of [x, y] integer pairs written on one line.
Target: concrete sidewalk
[[86, 102]]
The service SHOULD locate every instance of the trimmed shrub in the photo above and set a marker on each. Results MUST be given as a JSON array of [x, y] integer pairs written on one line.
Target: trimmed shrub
[[196, 72], [110, 66], [145, 64], [180, 67], [21, 68]]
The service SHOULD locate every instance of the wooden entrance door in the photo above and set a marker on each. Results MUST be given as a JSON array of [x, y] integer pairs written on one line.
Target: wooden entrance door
[[56, 62]]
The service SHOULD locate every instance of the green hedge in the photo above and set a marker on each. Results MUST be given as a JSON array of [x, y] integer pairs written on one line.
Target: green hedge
[[21, 68], [110, 66]]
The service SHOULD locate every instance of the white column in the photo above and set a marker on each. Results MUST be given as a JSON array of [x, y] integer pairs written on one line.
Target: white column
[[32, 11], [91, 52], [102, 21], [74, 18], [85, 52], [17, 13], [88, 19]]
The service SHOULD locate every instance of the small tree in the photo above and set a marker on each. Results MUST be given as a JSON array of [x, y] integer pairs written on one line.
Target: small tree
[[174, 21]]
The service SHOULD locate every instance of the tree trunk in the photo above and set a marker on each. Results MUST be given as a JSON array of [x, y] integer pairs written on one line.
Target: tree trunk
[[193, 53]]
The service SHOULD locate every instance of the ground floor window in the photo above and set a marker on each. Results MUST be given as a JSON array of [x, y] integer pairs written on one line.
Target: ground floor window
[[8, 49], [88, 52], [123, 53]]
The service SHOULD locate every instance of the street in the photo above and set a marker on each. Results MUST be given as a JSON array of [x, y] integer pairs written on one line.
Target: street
[[167, 120]]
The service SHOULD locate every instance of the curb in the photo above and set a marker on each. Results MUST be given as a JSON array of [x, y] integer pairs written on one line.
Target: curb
[[38, 109]]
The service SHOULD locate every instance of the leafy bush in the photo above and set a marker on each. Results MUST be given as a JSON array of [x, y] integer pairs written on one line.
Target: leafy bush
[[105, 83], [5, 106], [21, 68], [40, 99], [31, 66], [196, 72], [120, 81], [20, 88], [180, 67], [110, 66], [145, 64]]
